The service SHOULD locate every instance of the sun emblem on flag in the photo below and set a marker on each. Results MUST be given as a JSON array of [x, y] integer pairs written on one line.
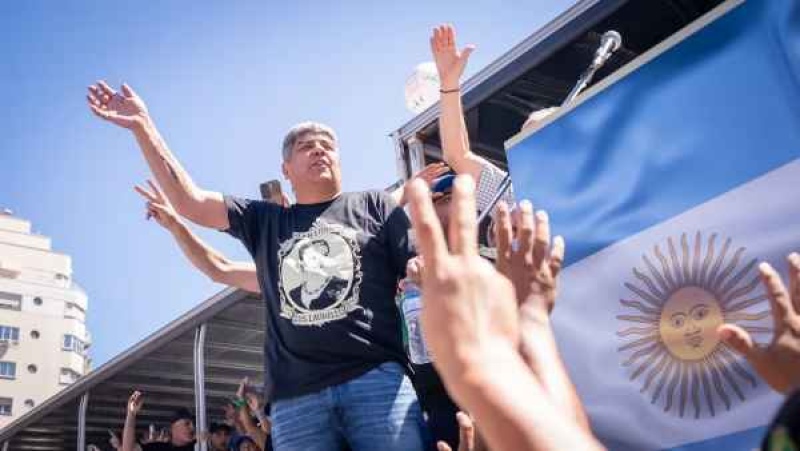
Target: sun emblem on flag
[[678, 299]]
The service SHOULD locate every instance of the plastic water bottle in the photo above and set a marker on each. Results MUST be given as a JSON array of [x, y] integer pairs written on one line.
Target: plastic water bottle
[[412, 307]]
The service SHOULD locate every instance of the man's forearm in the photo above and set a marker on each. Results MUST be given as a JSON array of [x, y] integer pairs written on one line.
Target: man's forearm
[[189, 201], [453, 131], [169, 173], [209, 261], [540, 351], [511, 408]]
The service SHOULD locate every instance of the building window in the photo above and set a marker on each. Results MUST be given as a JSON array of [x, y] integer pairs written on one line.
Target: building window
[[37, 300], [9, 333], [8, 370], [73, 343], [5, 406], [10, 301], [74, 311], [32, 369], [77, 307], [35, 334], [67, 376], [29, 403]]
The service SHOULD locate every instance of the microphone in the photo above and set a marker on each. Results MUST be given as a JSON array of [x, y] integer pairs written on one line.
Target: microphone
[[610, 42]]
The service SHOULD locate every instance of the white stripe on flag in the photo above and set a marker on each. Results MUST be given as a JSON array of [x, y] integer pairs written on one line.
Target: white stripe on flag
[[670, 326]]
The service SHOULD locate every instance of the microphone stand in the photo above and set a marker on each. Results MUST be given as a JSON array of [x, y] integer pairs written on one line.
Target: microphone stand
[[610, 43]]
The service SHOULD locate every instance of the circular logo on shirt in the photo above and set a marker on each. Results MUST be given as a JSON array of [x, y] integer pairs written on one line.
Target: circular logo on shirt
[[320, 272]]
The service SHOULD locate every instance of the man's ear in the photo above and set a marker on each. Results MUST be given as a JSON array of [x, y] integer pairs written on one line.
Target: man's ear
[[285, 170]]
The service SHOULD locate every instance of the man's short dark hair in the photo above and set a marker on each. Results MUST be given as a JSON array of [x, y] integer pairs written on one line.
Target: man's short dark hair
[[220, 428], [181, 414]]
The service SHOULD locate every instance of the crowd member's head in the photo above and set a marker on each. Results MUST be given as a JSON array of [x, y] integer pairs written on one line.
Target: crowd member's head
[[311, 162], [219, 436], [537, 117], [441, 194], [245, 443], [182, 427]]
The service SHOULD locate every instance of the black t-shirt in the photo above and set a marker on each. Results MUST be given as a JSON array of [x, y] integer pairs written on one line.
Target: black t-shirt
[[328, 273], [167, 446]]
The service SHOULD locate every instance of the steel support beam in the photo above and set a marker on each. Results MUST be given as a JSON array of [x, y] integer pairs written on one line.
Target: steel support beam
[[199, 384], [82, 407]]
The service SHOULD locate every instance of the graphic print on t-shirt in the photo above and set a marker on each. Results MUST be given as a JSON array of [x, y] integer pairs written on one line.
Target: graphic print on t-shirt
[[319, 274]]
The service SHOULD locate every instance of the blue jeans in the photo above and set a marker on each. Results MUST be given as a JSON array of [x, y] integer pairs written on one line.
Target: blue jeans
[[375, 411]]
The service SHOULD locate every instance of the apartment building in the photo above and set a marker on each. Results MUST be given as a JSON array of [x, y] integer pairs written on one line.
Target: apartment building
[[43, 335]]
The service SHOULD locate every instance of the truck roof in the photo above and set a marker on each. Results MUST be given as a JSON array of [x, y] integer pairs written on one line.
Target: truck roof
[[540, 71]]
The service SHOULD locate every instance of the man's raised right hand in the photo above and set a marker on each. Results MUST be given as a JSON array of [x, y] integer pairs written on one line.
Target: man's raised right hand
[[124, 108]]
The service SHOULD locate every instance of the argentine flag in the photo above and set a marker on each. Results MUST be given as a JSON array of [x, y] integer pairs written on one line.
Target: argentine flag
[[670, 182]]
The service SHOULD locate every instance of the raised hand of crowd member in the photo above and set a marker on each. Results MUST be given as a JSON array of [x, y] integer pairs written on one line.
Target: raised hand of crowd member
[[151, 435], [450, 61], [778, 363], [134, 406], [533, 265], [428, 174], [205, 258], [256, 404], [247, 406], [470, 321]]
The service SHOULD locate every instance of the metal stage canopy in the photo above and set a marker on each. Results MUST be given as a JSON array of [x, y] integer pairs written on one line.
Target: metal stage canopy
[[196, 361]]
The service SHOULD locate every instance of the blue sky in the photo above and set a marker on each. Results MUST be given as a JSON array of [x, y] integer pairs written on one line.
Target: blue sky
[[224, 81]]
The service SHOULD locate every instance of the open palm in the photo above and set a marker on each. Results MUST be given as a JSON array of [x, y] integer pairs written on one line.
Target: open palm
[[450, 62], [778, 363], [124, 108]]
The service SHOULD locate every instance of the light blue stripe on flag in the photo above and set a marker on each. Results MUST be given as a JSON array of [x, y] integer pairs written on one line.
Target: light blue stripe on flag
[[732, 441], [717, 110]]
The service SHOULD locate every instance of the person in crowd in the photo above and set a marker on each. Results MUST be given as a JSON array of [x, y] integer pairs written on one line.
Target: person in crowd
[[249, 404], [219, 436], [450, 64], [429, 174], [473, 315], [442, 413], [434, 399], [181, 432], [245, 443], [347, 348], [539, 347]]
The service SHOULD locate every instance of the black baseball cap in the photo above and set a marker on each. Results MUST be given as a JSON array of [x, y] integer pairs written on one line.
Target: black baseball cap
[[181, 414]]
